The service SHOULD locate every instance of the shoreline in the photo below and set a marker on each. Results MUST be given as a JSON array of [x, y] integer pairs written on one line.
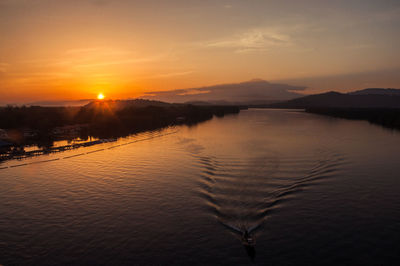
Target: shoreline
[[104, 127]]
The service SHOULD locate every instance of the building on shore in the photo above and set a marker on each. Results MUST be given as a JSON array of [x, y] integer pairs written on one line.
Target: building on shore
[[70, 130], [29, 133]]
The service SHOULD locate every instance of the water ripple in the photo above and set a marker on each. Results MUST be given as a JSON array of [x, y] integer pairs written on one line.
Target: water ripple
[[242, 192]]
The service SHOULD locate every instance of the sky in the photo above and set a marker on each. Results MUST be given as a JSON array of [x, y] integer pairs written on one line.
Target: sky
[[66, 50]]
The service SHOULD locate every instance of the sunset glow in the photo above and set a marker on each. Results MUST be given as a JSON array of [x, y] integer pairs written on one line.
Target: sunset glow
[[100, 96], [136, 47]]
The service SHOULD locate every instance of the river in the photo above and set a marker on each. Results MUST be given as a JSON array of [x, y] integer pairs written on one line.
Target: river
[[311, 189]]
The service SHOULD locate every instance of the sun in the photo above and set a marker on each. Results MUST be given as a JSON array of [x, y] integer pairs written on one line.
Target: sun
[[100, 96]]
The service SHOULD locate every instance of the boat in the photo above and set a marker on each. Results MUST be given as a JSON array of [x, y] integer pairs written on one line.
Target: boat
[[248, 239]]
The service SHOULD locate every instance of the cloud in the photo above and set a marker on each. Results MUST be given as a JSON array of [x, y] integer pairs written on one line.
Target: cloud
[[258, 39], [254, 90], [193, 92], [265, 38]]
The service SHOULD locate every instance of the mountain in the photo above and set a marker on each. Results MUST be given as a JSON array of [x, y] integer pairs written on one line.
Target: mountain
[[238, 93], [122, 104], [341, 100], [377, 91]]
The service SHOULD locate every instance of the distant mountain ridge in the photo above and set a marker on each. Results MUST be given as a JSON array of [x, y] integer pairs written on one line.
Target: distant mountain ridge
[[377, 91], [361, 99], [122, 104]]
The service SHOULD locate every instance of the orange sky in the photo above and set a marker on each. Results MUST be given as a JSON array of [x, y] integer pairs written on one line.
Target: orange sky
[[53, 50]]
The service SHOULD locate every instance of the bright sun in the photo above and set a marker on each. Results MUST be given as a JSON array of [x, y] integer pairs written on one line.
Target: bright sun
[[100, 96]]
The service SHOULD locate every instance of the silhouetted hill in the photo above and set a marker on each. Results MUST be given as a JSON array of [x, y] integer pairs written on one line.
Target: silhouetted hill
[[378, 106], [226, 103], [199, 103], [386, 117], [377, 91], [341, 100], [122, 104]]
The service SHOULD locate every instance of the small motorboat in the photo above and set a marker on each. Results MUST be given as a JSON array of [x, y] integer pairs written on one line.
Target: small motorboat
[[248, 239]]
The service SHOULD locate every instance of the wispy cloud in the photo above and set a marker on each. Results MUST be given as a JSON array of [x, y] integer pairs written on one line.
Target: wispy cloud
[[194, 92], [258, 39], [253, 90]]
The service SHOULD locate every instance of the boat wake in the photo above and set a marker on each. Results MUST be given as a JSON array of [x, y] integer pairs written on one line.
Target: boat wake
[[242, 192]]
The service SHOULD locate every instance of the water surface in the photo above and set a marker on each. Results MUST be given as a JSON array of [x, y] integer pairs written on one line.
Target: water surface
[[312, 189]]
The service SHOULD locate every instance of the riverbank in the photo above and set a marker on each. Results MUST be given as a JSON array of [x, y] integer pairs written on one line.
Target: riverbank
[[23, 127], [389, 118]]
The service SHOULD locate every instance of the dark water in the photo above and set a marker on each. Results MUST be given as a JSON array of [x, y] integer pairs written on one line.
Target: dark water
[[312, 189]]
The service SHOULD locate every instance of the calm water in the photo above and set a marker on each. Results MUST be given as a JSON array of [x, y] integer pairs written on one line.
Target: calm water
[[314, 190]]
